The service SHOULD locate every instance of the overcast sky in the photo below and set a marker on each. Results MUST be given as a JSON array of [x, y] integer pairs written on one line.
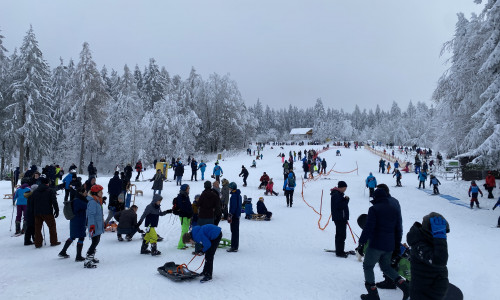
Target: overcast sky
[[363, 52]]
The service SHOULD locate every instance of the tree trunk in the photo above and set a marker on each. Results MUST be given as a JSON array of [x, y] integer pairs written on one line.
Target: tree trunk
[[3, 158], [82, 142]]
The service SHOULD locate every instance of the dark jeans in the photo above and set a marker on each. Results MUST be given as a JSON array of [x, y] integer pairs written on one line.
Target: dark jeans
[[193, 174], [95, 242], [371, 192], [435, 189], [289, 197], [66, 194], [340, 235], [421, 183], [29, 234], [209, 256], [244, 180], [383, 258], [235, 233], [137, 177], [490, 192]]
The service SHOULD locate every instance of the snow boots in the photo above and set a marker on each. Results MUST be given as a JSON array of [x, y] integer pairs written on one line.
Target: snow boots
[[90, 261], [371, 288], [206, 278], [79, 248], [403, 286], [154, 251], [120, 238], [144, 247], [128, 238], [63, 253], [386, 284], [18, 227]]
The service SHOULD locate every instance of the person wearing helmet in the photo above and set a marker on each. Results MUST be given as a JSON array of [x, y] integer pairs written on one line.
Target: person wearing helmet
[[95, 223], [234, 216]]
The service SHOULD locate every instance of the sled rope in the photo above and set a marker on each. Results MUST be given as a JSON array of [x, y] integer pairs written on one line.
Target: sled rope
[[194, 256], [351, 232]]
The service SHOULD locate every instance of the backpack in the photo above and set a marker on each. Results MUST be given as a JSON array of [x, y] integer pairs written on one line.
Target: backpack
[[68, 210], [291, 182], [176, 209]]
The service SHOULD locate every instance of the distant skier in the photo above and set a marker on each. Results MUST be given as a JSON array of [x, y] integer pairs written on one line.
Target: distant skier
[[217, 172], [474, 190], [244, 174], [398, 177], [138, 169]]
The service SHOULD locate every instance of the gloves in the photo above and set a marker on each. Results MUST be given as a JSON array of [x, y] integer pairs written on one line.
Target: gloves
[[140, 230], [201, 253], [346, 198], [438, 227], [92, 230], [56, 214], [169, 211], [104, 199], [360, 249]]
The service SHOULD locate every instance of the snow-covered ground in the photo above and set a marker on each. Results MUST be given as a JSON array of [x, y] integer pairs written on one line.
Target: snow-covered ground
[[280, 259]]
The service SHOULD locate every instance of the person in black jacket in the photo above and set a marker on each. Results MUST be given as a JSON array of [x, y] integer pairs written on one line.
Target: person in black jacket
[[92, 170], [429, 256], [127, 223], [209, 207], [128, 171], [383, 230], [185, 212], [45, 210], [194, 168], [340, 215], [179, 171], [115, 186], [29, 234], [152, 215], [244, 173]]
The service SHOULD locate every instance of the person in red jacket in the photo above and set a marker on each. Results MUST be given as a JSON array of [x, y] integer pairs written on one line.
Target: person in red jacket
[[264, 179], [138, 169], [269, 188], [490, 184]]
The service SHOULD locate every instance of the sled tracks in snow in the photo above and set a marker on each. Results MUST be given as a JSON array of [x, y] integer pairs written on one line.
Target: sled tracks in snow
[[451, 199]]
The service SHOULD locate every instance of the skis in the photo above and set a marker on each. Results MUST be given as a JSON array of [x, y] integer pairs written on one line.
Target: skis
[[351, 252]]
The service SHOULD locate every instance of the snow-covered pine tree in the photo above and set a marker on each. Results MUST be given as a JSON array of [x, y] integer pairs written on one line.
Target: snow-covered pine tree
[[154, 85], [31, 112], [89, 96]]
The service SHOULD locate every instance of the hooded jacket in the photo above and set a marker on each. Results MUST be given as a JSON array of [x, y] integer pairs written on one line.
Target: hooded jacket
[[45, 201], [209, 204], [152, 214], [339, 205], [205, 235], [235, 204], [115, 185], [371, 181], [185, 205], [383, 226]]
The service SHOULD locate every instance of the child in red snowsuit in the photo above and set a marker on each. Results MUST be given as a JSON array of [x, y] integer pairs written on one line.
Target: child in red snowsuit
[[474, 189], [269, 188]]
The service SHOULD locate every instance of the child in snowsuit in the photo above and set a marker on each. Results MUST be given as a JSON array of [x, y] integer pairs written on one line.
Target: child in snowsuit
[[422, 177], [248, 209], [95, 223], [429, 257], [262, 209], [398, 177], [474, 190], [269, 188], [388, 167], [435, 182], [152, 215]]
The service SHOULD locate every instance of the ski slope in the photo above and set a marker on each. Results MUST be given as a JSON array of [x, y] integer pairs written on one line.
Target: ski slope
[[280, 259]]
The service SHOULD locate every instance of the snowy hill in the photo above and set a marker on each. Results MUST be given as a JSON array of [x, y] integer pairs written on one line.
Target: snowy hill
[[280, 259]]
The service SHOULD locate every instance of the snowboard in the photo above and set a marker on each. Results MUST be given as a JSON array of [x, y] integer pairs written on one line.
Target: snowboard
[[453, 293]]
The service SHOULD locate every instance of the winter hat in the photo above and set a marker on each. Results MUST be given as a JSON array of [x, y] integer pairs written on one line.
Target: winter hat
[[96, 188], [233, 186], [342, 184], [225, 181], [473, 182], [196, 197], [117, 173], [426, 222], [371, 173], [184, 187], [44, 180], [73, 176], [379, 194], [157, 198], [242, 167], [34, 187], [207, 185], [25, 185]]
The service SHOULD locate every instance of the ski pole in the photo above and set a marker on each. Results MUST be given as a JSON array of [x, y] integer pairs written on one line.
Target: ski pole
[[43, 229], [351, 232], [11, 218]]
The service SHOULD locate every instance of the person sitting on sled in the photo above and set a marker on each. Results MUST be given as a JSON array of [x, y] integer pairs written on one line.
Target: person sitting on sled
[[248, 208], [270, 189], [264, 179], [254, 164], [209, 236], [262, 209]]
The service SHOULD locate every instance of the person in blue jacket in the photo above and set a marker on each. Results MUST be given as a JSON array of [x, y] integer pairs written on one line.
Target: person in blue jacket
[[289, 188], [340, 216], [383, 230], [217, 172], [234, 216], [422, 177], [371, 183], [209, 236], [95, 223], [202, 166], [77, 228], [435, 182], [67, 184], [22, 206]]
